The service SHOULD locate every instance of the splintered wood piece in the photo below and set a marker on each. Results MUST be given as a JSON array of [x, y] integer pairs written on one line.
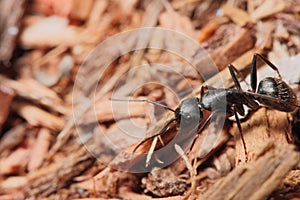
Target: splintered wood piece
[[81, 10], [264, 34], [12, 183], [11, 12], [210, 28], [40, 149], [267, 8], [50, 179], [289, 185], [33, 90], [6, 97], [12, 138], [38, 117], [263, 125], [170, 19], [37, 35], [237, 15], [239, 41], [257, 179], [15, 161]]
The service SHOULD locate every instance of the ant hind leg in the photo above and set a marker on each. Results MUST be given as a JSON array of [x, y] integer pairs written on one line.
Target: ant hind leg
[[266, 61]]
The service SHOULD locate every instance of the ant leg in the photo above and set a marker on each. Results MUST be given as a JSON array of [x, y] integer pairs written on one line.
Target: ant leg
[[205, 88], [241, 132], [253, 74], [200, 129], [163, 130], [265, 60], [202, 90], [232, 71]]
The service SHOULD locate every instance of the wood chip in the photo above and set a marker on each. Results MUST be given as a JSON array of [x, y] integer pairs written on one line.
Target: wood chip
[[264, 34], [237, 15], [16, 161], [33, 90], [257, 179], [12, 138], [240, 42], [6, 97], [40, 35], [11, 12], [67, 34], [40, 182], [39, 149], [210, 28], [172, 20], [268, 8], [13, 182], [280, 31], [38, 117], [279, 51], [80, 10]]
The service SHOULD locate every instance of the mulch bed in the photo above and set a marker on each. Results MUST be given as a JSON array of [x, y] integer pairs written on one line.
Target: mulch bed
[[62, 137]]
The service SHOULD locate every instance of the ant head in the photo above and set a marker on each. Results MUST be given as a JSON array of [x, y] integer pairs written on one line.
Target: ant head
[[189, 113]]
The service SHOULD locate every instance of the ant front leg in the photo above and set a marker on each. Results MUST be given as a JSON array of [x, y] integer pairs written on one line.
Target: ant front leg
[[233, 72], [253, 73], [199, 129]]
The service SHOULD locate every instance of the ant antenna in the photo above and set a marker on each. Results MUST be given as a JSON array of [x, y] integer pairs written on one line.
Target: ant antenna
[[145, 100]]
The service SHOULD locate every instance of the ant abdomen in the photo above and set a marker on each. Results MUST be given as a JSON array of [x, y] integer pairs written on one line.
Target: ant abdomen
[[275, 87]]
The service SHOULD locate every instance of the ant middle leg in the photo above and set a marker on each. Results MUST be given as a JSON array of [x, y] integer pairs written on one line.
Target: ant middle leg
[[238, 122], [233, 72]]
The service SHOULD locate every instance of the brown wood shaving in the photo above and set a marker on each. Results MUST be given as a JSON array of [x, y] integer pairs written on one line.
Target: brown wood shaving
[[38, 117], [6, 97], [258, 179], [11, 13], [237, 15], [47, 154], [269, 7]]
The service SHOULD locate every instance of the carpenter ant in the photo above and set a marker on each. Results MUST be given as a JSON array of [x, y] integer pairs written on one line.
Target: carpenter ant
[[271, 92]]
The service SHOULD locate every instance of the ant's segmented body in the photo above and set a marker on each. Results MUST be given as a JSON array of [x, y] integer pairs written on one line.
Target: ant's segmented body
[[271, 92]]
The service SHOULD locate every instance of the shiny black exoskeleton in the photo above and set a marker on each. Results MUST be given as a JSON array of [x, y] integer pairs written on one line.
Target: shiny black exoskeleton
[[276, 88], [272, 92]]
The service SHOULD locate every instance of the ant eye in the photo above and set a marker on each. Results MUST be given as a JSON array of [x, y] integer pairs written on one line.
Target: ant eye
[[188, 117]]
